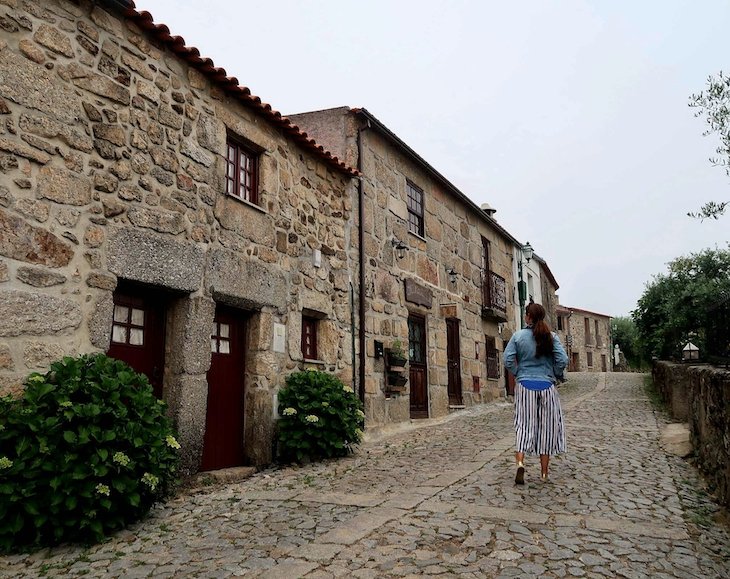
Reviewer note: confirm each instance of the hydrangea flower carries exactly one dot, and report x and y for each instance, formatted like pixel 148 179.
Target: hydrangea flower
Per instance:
pixel 102 489
pixel 121 458
pixel 65 404
pixel 289 411
pixel 150 480
pixel 360 414
pixel 171 442
pixel 5 462
pixel 349 389
pixel 312 418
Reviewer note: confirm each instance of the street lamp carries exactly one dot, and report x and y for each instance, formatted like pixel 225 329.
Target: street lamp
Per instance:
pixel 526 252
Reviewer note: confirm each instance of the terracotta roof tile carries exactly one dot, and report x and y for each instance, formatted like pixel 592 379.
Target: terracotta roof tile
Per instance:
pixel 231 85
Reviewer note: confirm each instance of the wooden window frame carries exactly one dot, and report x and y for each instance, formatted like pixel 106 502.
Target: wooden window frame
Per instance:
pixel 415 202
pixel 560 323
pixel 127 325
pixel 309 330
pixel 236 151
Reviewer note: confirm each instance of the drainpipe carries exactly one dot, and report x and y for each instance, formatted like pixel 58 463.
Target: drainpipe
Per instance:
pixel 361 241
pixel 352 330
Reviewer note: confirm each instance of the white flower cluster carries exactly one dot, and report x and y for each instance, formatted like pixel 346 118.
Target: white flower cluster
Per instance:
pixel 289 411
pixel 311 418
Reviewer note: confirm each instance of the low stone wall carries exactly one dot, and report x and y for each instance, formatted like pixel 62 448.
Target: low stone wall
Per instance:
pixel 706 392
pixel 672 381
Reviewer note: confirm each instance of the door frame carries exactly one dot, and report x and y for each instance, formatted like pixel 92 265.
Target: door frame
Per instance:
pixel 453 341
pixel 414 367
pixel 238 321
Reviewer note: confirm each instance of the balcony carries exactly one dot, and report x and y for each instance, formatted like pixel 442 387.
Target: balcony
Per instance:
pixel 494 297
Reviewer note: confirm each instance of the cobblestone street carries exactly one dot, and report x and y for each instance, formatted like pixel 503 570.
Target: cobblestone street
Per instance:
pixel 440 500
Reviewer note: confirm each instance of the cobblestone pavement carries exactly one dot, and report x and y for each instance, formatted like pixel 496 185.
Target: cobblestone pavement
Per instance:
pixel 440 500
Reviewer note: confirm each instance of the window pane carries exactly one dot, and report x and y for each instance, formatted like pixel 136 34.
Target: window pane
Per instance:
pixel 137 317
pixel 121 314
pixel 136 337
pixel 119 334
pixel 224 329
pixel 213 345
pixel 224 347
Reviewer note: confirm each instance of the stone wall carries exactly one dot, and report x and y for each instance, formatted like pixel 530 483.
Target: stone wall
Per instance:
pixel 707 391
pixel 112 164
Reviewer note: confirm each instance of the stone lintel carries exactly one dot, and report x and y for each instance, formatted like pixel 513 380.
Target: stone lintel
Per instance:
pixel 155 259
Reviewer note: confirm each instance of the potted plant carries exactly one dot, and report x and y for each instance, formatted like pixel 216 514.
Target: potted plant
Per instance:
pixel 396 356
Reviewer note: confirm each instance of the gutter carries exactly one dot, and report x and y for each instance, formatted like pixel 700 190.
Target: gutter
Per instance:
pixel 361 257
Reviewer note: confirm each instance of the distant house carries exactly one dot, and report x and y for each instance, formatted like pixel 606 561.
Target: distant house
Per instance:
pixel 586 336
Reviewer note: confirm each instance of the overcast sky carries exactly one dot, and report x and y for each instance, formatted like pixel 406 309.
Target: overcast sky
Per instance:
pixel 569 117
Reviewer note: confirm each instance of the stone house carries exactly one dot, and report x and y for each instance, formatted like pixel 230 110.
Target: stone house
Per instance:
pixel 436 273
pixel 152 208
pixel 587 339
pixel 548 292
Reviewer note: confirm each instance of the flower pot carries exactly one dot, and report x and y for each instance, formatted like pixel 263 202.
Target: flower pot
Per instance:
pixel 396 379
pixel 396 360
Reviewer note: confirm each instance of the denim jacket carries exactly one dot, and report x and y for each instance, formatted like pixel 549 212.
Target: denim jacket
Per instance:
pixel 520 359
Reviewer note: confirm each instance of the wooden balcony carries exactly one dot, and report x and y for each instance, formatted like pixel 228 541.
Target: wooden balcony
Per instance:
pixel 494 297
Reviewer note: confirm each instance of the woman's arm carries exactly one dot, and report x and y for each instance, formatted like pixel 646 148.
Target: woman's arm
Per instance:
pixel 510 356
pixel 560 358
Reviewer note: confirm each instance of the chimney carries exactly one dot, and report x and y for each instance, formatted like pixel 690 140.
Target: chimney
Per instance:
pixel 488 209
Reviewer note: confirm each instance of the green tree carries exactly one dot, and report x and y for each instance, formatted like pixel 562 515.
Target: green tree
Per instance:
pixel 714 104
pixel 690 302
pixel 626 335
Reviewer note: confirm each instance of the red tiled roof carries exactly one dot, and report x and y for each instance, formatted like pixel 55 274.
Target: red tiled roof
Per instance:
pixel 230 85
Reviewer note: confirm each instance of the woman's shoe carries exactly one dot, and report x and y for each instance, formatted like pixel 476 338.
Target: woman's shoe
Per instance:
pixel 544 477
pixel 520 476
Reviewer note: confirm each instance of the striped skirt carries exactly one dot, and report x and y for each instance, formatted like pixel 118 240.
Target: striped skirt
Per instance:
pixel 539 427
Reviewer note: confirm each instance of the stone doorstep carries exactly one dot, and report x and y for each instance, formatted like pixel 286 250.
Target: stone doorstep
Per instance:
pixel 205 479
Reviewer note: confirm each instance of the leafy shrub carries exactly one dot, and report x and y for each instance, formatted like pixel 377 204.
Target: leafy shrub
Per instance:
pixel 86 450
pixel 320 417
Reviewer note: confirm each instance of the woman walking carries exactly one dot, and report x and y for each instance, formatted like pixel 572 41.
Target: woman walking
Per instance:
pixel 535 355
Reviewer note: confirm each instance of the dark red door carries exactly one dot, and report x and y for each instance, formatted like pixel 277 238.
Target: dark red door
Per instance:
pixel 417 375
pixel 223 446
pixel 453 361
pixel 138 332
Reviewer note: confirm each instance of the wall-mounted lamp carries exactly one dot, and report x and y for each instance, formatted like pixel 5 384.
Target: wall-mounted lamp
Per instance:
pixel 451 272
pixel 400 247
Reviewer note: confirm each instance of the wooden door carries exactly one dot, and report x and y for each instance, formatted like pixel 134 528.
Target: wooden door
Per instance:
pixel 138 331
pixel 575 362
pixel 223 445
pixel 453 361
pixel 417 374
pixel 603 363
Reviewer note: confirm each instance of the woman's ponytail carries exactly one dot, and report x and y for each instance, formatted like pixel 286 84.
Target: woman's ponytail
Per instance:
pixel 540 330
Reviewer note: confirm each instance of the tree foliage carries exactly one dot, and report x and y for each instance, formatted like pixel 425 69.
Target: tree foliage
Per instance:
pixel 714 104
pixel 689 303
pixel 626 335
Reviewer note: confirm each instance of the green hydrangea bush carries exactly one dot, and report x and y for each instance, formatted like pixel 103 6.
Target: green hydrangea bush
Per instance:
pixel 87 450
pixel 320 417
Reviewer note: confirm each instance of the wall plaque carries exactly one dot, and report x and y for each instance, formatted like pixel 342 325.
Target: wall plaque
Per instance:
pixel 418 294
